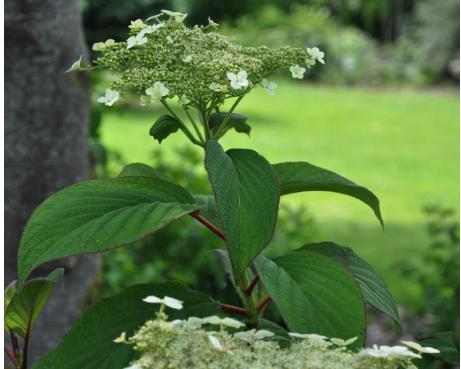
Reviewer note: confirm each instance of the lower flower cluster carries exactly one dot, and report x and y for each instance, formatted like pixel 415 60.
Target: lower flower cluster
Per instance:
pixel 189 343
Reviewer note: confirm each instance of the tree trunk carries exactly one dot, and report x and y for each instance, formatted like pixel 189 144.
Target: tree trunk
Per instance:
pixel 46 132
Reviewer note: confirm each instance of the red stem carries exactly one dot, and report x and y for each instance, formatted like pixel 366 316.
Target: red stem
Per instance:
pixel 207 224
pixel 11 357
pixel 252 285
pixel 263 302
pixel 235 309
pixel 16 346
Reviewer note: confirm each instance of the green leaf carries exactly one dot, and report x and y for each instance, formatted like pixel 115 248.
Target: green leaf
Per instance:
pixel 444 343
pixel 246 191
pixel 280 334
pixel 373 287
pixel 163 127
pixel 98 215
pixel 224 258
pixel 141 170
pixel 314 295
pixel 26 304
pixel 208 208
pixel 10 291
pixel 235 121
pixel 89 343
pixel 302 176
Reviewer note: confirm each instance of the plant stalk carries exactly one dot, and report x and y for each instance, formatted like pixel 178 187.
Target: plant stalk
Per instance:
pixel 11 357
pixel 208 224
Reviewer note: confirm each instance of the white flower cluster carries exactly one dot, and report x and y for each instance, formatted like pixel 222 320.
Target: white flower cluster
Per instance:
pixel 164 59
pixel 184 343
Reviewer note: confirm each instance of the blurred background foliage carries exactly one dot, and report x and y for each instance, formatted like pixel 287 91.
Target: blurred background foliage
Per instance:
pixel 382 111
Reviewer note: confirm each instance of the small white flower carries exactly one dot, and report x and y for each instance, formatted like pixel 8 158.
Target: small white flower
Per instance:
pixel 109 98
pixel 195 321
pixel 388 351
pixel 135 41
pixel 187 59
pixel 316 54
pixel 341 342
pixel 416 346
pixel 137 24
pixel 315 338
pixel 158 91
pixel 215 342
pixel 183 100
pixel 150 29
pixel 76 65
pixel 177 322
pixel 214 86
pixel 297 71
pixel 134 366
pixel 169 40
pixel 269 86
pixel 167 301
pixel 228 322
pixel 178 17
pixel 238 80
pixel 212 23
pixel 253 335
pixel 98 46
pixel 121 338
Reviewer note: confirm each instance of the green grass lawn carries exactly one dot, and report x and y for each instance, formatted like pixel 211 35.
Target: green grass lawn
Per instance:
pixel 403 145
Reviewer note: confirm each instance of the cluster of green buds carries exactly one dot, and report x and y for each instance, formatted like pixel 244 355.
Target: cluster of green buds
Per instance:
pixel 163 59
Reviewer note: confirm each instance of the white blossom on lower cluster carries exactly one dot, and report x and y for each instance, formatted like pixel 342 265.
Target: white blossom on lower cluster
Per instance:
pixel 239 80
pixel 297 71
pixel 109 98
pixel 158 91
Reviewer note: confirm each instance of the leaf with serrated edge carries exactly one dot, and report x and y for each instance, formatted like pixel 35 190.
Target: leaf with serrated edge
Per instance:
pixel 374 288
pixel 246 191
pixel 302 176
pixel 314 295
pixel 98 215
pixel 89 343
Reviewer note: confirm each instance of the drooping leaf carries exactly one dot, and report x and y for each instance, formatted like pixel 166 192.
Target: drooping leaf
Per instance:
pixel 224 258
pixel 163 127
pixel 25 305
pixel 235 121
pixel 302 176
pixel 10 291
pixel 89 343
pixel 314 295
pixel 373 287
pixel 98 215
pixel 141 170
pixel 246 191
pixel 208 208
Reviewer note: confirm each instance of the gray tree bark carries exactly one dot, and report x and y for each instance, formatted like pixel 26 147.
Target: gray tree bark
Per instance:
pixel 46 131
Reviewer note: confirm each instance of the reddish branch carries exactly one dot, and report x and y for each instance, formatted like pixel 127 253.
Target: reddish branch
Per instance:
pixel 252 285
pixel 11 357
pixel 263 302
pixel 235 309
pixel 16 346
pixel 207 224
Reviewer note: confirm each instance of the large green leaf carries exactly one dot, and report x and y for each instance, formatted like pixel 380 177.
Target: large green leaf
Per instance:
pixel 373 287
pixel 246 190
pixel 314 294
pixel 302 176
pixel 99 215
pixel 89 344
pixel 25 305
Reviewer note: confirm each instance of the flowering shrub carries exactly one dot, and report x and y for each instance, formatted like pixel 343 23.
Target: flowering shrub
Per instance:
pixel 319 289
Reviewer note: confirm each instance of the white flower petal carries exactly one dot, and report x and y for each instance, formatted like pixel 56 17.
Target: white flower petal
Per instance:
pixel 121 338
pixel 416 346
pixel 153 300
pixel 233 323
pixel 215 342
pixel 261 334
pixel 172 303
pixel 212 320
